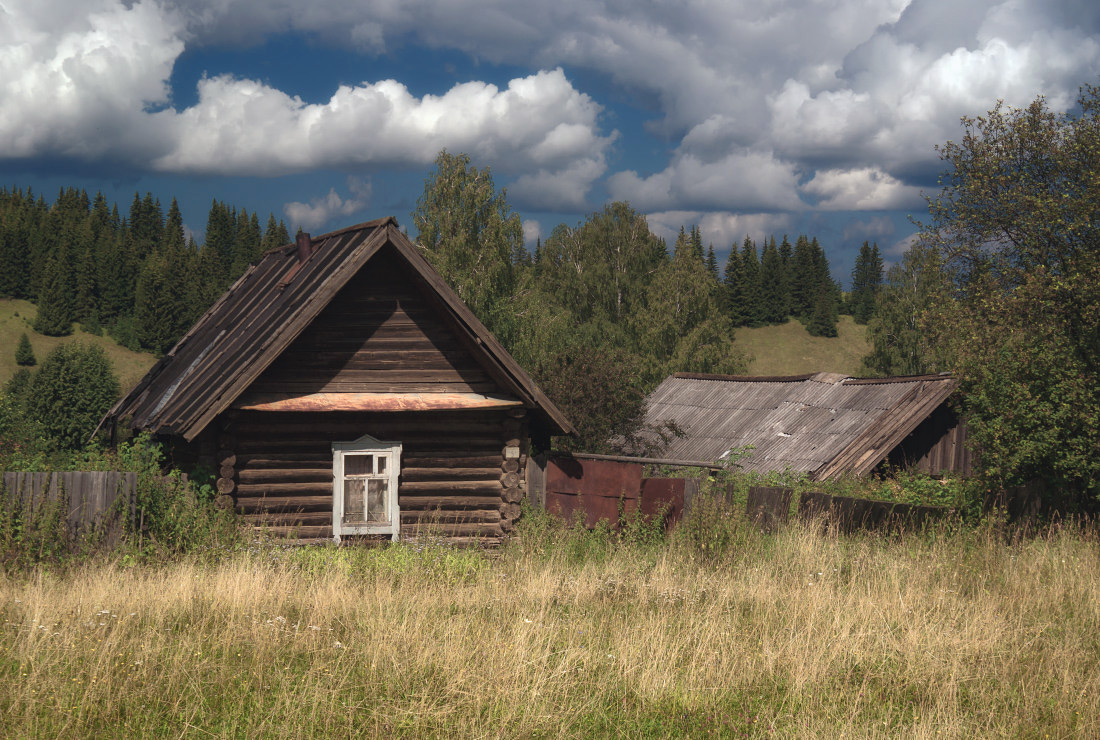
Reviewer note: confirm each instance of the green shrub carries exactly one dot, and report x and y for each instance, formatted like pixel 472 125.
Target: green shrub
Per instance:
pixel 72 390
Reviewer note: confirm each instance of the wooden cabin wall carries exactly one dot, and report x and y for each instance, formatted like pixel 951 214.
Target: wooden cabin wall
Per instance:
pixel 462 472
pixel 938 445
pixel 379 334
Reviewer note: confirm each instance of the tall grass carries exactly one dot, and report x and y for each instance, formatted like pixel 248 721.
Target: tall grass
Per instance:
pixel 565 633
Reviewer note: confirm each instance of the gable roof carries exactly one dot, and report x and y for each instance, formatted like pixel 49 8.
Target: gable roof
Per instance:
pixel 270 305
pixel 823 424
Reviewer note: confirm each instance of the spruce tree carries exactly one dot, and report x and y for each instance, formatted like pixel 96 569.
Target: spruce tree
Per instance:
pixel 55 302
pixel 712 262
pixel 802 278
pixel 750 276
pixel 866 282
pixel 156 304
pixel 24 353
pixel 823 318
pixel 772 299
pixel 733 289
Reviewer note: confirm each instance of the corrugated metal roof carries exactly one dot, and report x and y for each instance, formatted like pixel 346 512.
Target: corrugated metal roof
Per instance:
pixel 824 424
pixel 269 306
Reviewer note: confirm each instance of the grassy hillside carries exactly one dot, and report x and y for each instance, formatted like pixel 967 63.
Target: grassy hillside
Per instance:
pixel 787 349
pixel 17 317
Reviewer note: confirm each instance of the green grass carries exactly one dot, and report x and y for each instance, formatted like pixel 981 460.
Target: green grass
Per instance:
pixel 787 349
pixel 17 316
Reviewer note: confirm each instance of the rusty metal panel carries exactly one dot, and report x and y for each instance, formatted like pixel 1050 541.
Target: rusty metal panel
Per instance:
pixel 598 489
pixel 663 496
pixel 375 402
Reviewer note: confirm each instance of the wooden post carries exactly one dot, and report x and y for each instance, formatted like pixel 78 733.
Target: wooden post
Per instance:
pixel 513 457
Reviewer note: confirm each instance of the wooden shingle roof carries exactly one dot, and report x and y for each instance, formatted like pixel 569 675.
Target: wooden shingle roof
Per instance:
pixel 824 424
pixel 270 305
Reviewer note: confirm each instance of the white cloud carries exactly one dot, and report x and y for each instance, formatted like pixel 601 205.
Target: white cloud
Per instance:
pixel 539 123
pixel 749 97
pixel 78 82
pixel 321 211
pixel 864 189
pixel 741 180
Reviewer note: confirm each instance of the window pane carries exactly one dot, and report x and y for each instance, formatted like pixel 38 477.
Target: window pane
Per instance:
pixel 376 500
pixel 353 500
pixel 381 465
pixel 358 464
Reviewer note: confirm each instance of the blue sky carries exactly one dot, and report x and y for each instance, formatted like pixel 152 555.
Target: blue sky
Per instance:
pixel 742 116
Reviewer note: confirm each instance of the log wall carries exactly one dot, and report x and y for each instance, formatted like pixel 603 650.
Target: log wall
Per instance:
pixel 462 472
pixel 379 334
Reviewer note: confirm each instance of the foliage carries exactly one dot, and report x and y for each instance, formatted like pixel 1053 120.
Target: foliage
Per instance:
pixel 600 391
pixel 469 232
pixel 1017 225
pixel 69 394
pixel 24 353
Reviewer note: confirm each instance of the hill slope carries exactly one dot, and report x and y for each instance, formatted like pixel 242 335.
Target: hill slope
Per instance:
pixel 17 317
pixel 787 349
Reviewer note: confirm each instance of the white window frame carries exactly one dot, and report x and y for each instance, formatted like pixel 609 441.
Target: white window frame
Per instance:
pixel 366 445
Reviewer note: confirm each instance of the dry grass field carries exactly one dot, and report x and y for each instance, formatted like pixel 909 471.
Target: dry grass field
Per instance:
pixel 788 349
pixel 16 317
pixel 567 634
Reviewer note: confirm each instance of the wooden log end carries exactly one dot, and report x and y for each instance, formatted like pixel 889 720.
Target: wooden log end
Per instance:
pixel 226 485
pixel 510 466
pixel 223 501
pixel 510 480
pixel 512 495
pixel 509 512
pixel 227 471
pixel 227 457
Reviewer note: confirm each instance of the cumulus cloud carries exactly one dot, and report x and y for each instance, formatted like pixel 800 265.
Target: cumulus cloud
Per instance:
pixel 92 86
pixel 539 122
pixel 864 189
pixel 846 96
pixel 81 83
pixel 321 211
pixel 743 180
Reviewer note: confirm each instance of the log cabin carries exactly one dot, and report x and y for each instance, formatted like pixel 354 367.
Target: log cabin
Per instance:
pixel 341 389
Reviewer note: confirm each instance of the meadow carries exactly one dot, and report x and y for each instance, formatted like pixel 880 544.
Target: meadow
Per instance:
pixel 17 317
pixel 788 349
pixel 715 631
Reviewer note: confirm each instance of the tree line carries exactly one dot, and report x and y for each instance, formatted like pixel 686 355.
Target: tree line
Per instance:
pixel 136 276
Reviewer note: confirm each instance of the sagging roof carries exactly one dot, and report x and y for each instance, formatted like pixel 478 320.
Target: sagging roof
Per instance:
pixel 823 424
pixel 271 304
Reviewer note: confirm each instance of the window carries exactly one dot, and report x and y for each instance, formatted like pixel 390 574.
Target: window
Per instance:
pixel 364 488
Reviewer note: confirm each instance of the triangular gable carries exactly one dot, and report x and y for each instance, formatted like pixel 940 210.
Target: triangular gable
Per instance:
pixel 268 308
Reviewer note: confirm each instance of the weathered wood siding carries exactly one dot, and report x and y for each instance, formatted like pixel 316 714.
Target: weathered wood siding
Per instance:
pixel 457 478
pixel 938 445
pixel 379 334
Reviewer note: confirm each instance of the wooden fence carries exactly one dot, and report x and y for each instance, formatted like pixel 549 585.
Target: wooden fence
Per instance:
pixel 91 499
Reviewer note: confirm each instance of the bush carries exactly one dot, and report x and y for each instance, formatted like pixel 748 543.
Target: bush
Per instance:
pixel 71 392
